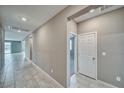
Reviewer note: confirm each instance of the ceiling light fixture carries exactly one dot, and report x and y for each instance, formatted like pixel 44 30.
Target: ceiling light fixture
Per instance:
pixel 92 10
pixel 24 19
pixel 19 30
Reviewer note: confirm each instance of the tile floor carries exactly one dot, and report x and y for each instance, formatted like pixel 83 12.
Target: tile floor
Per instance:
pixel 82 81
pixel 18 73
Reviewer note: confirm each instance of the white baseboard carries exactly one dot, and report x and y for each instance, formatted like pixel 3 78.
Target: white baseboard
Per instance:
pixel 58 82
pixel 28 59
pixel 107 84
pixel 43 71
pixel 110 85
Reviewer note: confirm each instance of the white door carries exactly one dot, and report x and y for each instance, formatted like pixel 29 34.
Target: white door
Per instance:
pixel 87 54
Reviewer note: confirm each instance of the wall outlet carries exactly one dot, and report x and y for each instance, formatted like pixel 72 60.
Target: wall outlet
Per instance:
pixel 118 78
pixel 51 70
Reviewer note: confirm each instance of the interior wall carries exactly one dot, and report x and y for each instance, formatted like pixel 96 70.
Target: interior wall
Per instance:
pixel 50 45
pixel 1 47
pixel 110 28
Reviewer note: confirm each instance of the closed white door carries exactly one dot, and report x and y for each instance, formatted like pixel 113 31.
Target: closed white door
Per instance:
pixel 87 54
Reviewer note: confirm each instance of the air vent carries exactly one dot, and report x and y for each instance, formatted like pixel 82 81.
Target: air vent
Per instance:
pixel 17 28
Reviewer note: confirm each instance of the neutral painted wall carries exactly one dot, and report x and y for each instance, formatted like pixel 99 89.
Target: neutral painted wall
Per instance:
pixel 110 28
pixel 50 45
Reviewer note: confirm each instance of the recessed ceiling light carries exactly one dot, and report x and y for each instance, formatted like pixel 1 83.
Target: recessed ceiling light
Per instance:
pixel 24 19
pixel 92 10
pixel 19 30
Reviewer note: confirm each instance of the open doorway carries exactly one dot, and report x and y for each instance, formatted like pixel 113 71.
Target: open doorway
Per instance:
pixel 82 57
pixel 30 46
pixel 72 56
pixel 7 47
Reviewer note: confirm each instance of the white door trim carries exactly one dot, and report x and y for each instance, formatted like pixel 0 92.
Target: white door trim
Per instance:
pixel 96 48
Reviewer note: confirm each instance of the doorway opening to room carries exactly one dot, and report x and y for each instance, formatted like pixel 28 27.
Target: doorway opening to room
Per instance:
pixel 72 56
pixel 7 47
pixel 73 62
pixel 82 57
pixel 29 48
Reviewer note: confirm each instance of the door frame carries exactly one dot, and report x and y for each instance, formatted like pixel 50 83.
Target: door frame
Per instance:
pixel 68 56
pixel 31 47
pixel 96 49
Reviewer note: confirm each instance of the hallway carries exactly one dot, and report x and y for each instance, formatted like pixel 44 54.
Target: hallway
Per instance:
pixel 18 73
pixel 62 41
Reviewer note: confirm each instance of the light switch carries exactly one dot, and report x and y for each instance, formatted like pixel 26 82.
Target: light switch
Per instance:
pixel 104 53
pixel 51 70
pixel 118 78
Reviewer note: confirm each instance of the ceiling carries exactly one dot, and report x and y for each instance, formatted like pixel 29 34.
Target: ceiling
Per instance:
pixel 94 12
pixel 36 15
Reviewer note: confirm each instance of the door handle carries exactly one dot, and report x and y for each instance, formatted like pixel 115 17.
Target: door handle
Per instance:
pixel 93 58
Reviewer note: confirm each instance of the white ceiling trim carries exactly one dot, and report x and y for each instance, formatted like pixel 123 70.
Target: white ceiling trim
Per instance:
pixel 97 12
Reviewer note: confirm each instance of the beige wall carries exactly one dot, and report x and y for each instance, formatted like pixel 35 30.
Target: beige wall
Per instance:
pixel 110 28
pixel 50 45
